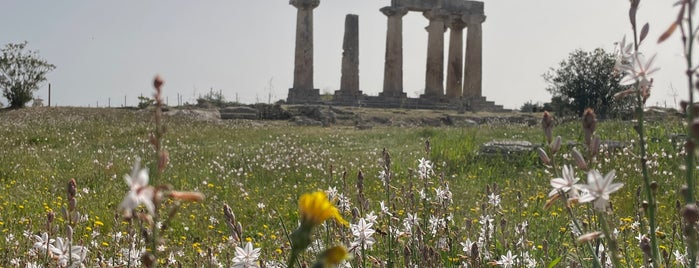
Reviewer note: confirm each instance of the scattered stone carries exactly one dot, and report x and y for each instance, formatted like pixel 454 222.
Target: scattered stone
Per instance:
pixel 459 121
pixel 301 120
pixel 506 148
pixel 239 112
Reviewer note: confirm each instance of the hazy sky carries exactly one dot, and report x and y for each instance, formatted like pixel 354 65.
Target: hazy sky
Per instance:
pixel 110 49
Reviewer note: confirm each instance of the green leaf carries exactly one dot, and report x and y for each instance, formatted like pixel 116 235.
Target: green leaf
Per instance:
pixel 554 262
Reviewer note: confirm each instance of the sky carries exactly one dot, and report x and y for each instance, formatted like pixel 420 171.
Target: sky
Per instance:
pixel 107 52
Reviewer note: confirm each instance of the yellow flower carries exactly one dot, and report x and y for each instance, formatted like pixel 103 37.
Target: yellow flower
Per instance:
pixel 316 208
pixel 333 256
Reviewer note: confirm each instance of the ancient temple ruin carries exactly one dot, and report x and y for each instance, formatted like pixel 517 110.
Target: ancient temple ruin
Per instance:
pixel 463 85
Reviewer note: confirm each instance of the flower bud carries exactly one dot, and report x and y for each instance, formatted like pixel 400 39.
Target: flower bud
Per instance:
pixel 158 82
pixel 543 156
pixel 589 124
pixel 556 145
pixel 579 159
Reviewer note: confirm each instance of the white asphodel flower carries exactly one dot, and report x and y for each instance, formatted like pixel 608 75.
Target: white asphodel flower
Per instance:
pixel 565 183
pixel 598 189
pixel 140 192
pixel 362 232
pixel 507 260
pixel 246 257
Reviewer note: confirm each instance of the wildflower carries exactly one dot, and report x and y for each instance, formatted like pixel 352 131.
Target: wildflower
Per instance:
pixel 424 168
pixel 332 257
pixel 443 195
pixel 494 199
pixel 507 260
pixel 246 257
pixel 66 253
pixel 316 208
pixel 140 192
pixel 362 232
pixel 529 262
pixel 384 209
pixel 680 258
pixel 599 187
pixel 43 244
pixel 566 183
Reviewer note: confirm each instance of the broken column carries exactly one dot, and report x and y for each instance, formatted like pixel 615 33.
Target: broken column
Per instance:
pixel 349 81
pixel 473 70
pixel 393 65
pixel 303 91
pixel 434 74
pixel 456 60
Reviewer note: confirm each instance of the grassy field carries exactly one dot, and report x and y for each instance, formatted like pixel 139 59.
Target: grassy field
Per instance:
pixel 260 170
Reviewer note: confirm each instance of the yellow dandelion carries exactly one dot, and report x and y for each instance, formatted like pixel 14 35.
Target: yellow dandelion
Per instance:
pixel 334 255
pixel 315 208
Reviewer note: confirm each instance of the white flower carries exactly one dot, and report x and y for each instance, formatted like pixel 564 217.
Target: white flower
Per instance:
pixel 443 195
pixel 599 187
pixel 43 243
pixel 529 262
pixel 566 183
pixel 424 168
pixel 362 232
pixel 140 192
pixel 680 258
pixel 65 253
pixel 494 199
pixel 507 260
pixel 638 70
pixel 385 209
pixel 246 257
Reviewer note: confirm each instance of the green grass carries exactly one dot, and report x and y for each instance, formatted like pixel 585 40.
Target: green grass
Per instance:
pixel 246 165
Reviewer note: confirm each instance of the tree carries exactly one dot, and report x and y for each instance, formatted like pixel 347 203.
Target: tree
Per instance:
pixel 21 73
pixel 587 80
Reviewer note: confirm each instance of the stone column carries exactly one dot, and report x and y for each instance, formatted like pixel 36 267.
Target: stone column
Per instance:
pixel 473 71
pixel 303 91
pixel 349 81
pixel 393 65
pixel 456 57
pixel 434 74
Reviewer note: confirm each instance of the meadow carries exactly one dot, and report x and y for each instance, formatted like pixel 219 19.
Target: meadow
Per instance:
pixel 430 201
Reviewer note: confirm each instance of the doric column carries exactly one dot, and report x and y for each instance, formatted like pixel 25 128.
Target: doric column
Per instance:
pixel 434 74
pixel 473 71
pixel 349 81
pixel 393 65
pixel 456 59
pixel 303 90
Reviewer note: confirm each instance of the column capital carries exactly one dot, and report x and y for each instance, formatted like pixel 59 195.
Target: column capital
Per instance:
pixel 436 14
pixel 471 19
pixel 394 11
pixel 456 22
pixel 307 4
